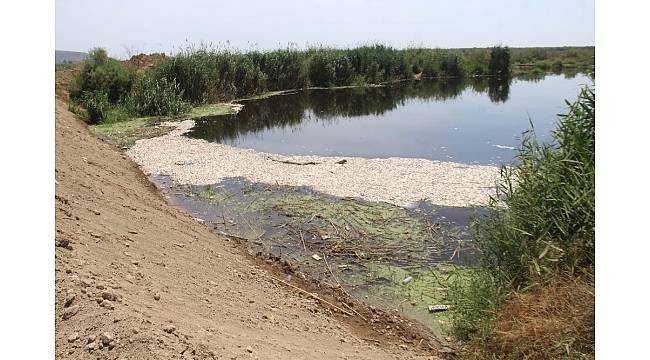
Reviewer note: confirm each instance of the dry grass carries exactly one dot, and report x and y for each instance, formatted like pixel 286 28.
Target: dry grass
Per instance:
pixel 553 321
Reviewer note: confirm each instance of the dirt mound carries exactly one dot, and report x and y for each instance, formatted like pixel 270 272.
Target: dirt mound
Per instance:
pixel 138 279
pixel 63 78
pixel 145 61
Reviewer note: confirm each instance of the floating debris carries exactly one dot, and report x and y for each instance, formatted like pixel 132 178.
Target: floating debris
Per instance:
pixel 386 254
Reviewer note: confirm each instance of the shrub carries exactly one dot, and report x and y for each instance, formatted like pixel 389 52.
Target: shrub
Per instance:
pixel 321 69
pixel 99 56
pixel 543 65
pixel 499 61
pixel 543 221
pixel 157 97
pixel 101 74
pixel 557 65
pixel 477 296
pixel 97 106
pixel 450 65
pixel 477 62
pixel 429 66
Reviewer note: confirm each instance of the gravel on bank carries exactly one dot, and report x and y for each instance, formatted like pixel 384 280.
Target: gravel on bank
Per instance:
pixel 400 181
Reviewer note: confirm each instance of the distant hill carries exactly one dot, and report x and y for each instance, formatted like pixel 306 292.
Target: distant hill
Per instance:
pixel 62 56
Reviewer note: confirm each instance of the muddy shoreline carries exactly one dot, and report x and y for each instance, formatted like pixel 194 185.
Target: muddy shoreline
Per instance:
pixel 358 250
pixel 116 233
pixel 377 234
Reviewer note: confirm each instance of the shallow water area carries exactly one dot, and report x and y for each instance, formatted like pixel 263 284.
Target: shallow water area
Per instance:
pixel 475 121
pixel 370 248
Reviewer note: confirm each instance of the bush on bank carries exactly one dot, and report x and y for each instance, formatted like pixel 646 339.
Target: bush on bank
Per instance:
pixel 101 74
pixel 540 228
pixel 153 96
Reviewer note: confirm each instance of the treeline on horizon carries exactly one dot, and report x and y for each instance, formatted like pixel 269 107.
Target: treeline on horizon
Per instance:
pixel 195 76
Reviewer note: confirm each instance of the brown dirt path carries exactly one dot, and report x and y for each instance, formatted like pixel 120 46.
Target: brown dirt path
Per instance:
pixel 173 288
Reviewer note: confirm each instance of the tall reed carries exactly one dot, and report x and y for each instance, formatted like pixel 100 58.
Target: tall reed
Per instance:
pixel 539 226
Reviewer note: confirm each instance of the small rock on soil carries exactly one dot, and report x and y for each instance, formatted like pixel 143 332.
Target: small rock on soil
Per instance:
pixel 70 312
pixel 107 304
pixel 106 338
pixel 73 337
pixel 169 328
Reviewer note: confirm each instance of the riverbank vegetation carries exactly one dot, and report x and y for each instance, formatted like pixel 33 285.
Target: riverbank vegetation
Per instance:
pixel 560 59
pixel 113 91
pixel 533 295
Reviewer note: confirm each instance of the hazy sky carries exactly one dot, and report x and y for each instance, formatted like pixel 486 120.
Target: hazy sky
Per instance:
pixel 124 27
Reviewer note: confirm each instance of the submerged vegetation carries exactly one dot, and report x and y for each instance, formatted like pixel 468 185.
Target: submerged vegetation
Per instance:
pixel 368 248
pixel 193 77
pixel 539 234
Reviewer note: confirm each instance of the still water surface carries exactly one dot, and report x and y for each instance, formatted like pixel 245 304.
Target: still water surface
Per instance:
pixel 476 121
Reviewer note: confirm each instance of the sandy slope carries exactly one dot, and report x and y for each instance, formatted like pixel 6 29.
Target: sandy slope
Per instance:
pixel 128 245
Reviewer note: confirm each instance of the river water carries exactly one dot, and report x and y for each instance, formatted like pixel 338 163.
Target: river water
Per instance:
pixel 475 121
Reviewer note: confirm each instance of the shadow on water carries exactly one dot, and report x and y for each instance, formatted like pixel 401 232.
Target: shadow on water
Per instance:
pixel 475 120
pixel 371 249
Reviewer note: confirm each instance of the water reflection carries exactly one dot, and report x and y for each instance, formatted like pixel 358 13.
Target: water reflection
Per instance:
pixel 325 105
pixel 433 119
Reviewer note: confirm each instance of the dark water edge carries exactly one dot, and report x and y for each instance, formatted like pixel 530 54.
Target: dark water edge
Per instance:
pixel 475 120
pixel 370 248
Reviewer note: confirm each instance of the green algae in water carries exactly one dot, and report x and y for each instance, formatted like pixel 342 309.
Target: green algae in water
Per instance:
pixel 351 225
pixel 346 219
pixel 384 285
pixel 369 247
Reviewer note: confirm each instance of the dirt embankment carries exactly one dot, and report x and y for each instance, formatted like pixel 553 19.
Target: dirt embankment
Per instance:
pixel 137 279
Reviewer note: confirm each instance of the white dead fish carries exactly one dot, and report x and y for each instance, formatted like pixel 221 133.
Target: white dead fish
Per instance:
pixel 438 308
